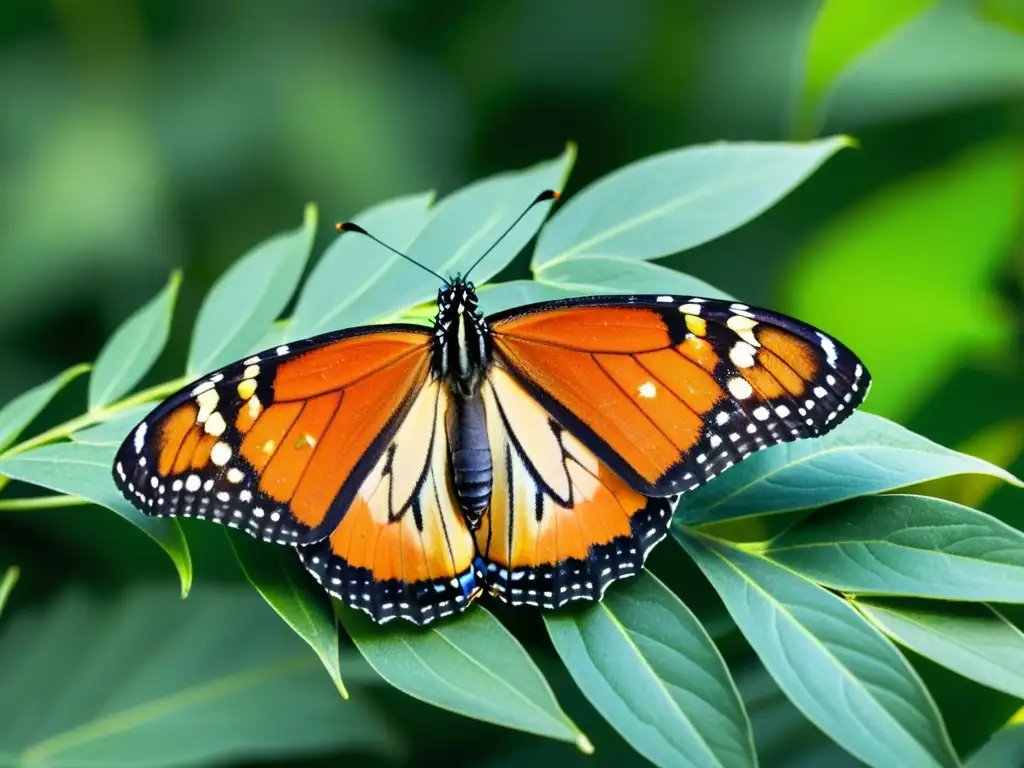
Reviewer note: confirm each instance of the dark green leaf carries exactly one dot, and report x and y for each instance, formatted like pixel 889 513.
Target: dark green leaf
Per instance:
pixel 834 665
pixel 907 545
pixel 975 641
pixel 147 679
pixel 677 200
pixel 864 455
pixel 612 274
pixel 288 589
pixel 471 665
pixel 470 220
pixel 85 470
pixel 646 663
pixel 18 413
pixel 356 281
pixel 134 347
pixel 247 299
pixel 7 585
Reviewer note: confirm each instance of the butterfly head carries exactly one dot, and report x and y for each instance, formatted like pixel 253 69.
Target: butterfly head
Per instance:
pixel 462 341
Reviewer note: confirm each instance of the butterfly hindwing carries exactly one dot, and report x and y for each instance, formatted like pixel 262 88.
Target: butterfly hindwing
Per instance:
pixel 561 524
pixel 670 391
pixel 277 444
pixel 403 548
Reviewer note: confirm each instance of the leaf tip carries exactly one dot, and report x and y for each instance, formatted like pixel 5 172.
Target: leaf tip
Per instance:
pixel 584 745
pixel 310 216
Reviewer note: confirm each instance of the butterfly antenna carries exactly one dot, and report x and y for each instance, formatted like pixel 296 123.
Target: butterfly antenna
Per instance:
pixel 547 194
pixel 348 226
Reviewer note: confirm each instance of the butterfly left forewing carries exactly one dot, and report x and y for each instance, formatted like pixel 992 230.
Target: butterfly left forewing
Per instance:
pixel 561 525
pixel 402 548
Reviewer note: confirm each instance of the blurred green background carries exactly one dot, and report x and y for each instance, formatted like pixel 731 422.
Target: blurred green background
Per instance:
pixel 136 137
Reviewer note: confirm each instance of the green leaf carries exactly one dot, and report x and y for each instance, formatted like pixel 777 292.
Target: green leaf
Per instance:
pixel 156 681
pixel 907 545
pixel 84 470
pixel 288 589
pixel 472 666
pixel 886 247
pixel 1004 750
pixel 864 455
pixel 134 347
pixel 677 200
pixel 1007 13
pixel 648 666
pixel 613 274
pixel 975 641
pixel 20 411
pixel 247 299
pixel 356 281
pixel 498 297
pixel 7 585
pixel 469 221
pixel 835 666
pixel 114 432
pixel 843 31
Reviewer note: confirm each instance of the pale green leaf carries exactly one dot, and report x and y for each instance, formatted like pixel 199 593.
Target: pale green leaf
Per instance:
pixel 677 200
pixel 975 641
pixel 247 299
pixel 842 32
pixel 644 661
pixel 152 681
pixel 114 431
pixel 907 545
pixel 1004 750
pixel 131 351
pixel 866 454
pixel 275 573
pixel 20 411
pixel 497 297
pixel 613 274
pixel 83 470
pixel 472 666
pixel 838 669
pixel 356 281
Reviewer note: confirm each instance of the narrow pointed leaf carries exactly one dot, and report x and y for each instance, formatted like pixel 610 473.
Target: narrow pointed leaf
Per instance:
pixel 469 221
pixel 648 666
pixel 472 666
pixel 357 281
pixel 287 588
pixel 677 200
pixel 84 470
pixel 134 347
pixel 864 455
pixel 613 274
pixel 247 299
pixel 20 411
pixel 837 668
pixel 154 682
pixel 7 585
pixel 907 545
pixel 975 641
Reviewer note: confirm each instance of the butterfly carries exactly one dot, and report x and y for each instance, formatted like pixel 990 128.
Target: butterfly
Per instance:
pixel 535 454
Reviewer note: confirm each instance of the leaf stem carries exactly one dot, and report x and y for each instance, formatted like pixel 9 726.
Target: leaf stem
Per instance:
pixel 42 502
pixel 94 417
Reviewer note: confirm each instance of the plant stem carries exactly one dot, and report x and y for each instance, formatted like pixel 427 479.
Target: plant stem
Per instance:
pixel 94 417
pixel 41 502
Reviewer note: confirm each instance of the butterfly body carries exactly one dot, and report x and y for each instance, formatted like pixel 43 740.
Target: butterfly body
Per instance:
pixel 535 454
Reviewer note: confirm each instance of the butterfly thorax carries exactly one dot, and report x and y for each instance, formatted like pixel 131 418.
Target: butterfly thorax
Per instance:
pixel 462 341
pixel 461 354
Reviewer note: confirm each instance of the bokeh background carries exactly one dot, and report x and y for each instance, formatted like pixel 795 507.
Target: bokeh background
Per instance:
pixel 141 135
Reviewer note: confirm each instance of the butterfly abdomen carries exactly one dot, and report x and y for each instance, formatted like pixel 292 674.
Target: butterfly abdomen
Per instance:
pixel 472 469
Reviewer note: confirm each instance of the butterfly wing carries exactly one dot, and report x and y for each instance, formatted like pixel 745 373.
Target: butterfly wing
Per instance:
pixel 561 525
pixel 403 548
pixel 670 391
pixel 278 444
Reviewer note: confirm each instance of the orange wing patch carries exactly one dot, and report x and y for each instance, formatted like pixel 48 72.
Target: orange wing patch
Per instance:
pixel 544 547
pixel 403 548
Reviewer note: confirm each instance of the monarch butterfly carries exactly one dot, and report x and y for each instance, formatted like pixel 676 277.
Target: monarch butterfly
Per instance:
pixel 536 453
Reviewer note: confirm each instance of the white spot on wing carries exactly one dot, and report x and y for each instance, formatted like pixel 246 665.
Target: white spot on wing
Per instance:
pixel 739 388
pixel 648 390
pixel 140 437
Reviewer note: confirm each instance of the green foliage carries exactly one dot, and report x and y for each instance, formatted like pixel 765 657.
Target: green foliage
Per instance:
pixel 642 657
